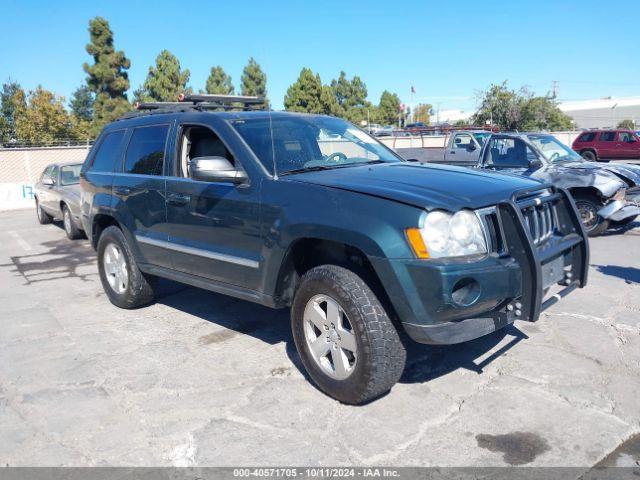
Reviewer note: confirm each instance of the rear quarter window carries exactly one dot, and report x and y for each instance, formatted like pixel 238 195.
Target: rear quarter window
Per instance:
pixel 109 152
pixel 587 137
pixel 145 153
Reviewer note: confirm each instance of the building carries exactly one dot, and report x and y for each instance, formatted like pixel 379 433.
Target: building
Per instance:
pixel 605 112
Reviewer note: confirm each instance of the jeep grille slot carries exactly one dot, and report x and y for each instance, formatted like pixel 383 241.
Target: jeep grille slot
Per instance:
pixel 540 219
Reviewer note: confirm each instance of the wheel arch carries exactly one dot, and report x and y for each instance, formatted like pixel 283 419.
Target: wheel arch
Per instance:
pixel 100 222
pixel 306 253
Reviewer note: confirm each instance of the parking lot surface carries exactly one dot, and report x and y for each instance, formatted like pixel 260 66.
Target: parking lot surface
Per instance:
pixel 203 379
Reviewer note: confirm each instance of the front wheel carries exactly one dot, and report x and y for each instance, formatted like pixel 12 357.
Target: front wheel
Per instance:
pixel 588 207
pixel 123 282
pixel 343 335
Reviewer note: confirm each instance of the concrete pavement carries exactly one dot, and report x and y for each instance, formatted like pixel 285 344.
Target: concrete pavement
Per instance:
pixel 202 379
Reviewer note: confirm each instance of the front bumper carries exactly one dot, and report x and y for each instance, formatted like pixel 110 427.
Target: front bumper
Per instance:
pixel 619 210
pixel 508 286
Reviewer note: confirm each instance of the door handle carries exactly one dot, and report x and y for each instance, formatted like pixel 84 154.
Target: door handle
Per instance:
pixel 122 190
pixel 452 151
pixel 178 199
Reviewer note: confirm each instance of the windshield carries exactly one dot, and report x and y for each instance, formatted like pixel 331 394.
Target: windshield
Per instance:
pixel 553 149
pixel 308 142
pixel 482 137
pixel 70 174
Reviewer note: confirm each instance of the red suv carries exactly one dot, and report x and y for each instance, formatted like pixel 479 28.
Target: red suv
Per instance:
pixel 595 145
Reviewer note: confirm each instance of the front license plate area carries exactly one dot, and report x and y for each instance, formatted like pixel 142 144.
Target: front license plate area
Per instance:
pixel 553 272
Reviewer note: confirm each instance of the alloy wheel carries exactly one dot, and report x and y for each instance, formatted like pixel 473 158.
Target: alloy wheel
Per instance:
pixel 588 214
pixel 330 337
pixel 115 268
pixel 67 221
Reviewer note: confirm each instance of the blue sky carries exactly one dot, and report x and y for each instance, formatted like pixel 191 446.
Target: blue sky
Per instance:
pixel 447 52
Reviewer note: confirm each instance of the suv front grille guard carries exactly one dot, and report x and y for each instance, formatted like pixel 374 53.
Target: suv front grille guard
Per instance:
pixel 551 215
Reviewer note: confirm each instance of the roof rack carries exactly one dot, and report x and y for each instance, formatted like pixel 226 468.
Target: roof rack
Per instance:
pixel 199 102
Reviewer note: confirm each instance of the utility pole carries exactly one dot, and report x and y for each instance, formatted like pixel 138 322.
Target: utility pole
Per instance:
pixel 554 89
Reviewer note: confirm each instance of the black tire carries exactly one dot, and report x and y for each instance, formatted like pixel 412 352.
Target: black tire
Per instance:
pixel 139 290
pixel 380 354
pixel 587 207
pixel 589 155
pixel 70 228
pixel 43 217
pixel 624 222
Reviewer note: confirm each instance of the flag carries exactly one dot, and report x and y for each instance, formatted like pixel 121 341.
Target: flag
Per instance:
pixel 413 90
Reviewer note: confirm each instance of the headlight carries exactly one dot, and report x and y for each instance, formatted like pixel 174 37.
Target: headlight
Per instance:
pixel 446 235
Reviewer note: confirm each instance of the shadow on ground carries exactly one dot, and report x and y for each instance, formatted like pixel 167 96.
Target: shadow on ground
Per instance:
pixel 630 275
pixel 61 259
pixel 424 362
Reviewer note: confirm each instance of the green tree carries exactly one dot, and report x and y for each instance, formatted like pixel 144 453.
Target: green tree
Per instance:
pixel 12 100
pixel 627 124
pixel 44 119
pixel 422 113
pixel 388 108
pixel 499 106
pixel 542 113
pixel 309 95
pixel 81 103
pixel 351 96
pixel 107 77
pixel 219 82
pixel 253 80
pixel 165 81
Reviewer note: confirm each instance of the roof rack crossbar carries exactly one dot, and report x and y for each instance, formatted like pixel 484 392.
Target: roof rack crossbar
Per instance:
pixel 222 99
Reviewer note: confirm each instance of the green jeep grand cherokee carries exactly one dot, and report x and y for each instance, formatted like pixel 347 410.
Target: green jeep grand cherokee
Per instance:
pixel 309 212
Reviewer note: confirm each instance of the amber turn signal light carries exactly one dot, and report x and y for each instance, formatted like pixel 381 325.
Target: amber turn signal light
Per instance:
pixel 417 243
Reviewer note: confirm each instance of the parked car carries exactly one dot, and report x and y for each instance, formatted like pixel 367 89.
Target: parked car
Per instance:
pixel 374 128
pixel 57 195
pixel 417 128
pixel 597 145
pixel 605 194
pixel 359 243
pixel 386 131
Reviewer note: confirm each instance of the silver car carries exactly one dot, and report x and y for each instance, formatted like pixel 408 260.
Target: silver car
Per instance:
pixel 57 195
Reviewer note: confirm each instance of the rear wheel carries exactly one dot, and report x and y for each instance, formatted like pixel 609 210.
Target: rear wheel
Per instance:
pixel 70 228
pixel 123 282
pixel 43 217
pixel 589 155
pixel 588 207
pixel 345 339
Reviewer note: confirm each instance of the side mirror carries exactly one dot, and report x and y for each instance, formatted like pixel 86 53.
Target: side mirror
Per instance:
pixel 48 181
pixel 472 147
pixel 535 164
pixel 215 169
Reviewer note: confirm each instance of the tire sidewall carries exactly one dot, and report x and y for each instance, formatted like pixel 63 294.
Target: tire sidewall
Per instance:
pixel 355 384
pixel 602 224
pixel 589 156
pixel 114 235
pixel 71 233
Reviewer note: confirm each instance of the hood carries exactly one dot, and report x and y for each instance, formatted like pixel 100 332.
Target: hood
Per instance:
pixel 608 178
pixel 420 185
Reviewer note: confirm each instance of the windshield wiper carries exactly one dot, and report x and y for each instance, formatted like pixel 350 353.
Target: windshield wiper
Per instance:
pixel 319 168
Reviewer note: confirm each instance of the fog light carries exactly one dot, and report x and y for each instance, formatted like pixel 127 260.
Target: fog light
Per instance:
pixel 465 292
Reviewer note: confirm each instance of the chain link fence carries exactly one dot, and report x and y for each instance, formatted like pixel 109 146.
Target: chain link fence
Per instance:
pixel 21 167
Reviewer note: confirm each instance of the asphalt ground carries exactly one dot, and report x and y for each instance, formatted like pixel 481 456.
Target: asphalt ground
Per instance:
pixel 201 379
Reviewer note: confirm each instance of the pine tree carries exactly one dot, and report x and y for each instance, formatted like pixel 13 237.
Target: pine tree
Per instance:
pixel 165 81
pixel 388 108
pixel 12 100
pixel 81 103
pixel 253 80
pixel 107 77
pixel 308 95
pixel 219 82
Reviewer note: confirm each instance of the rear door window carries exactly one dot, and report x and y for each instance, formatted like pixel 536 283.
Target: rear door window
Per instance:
pixel 146 150
pixel 109 152
pixel 607 136
pixel 625 137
